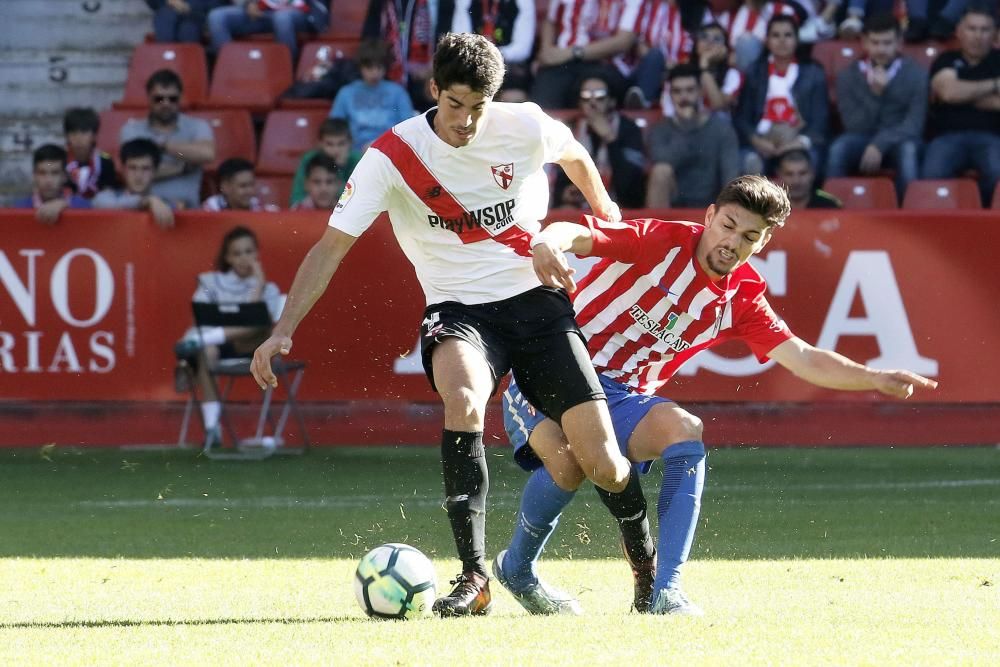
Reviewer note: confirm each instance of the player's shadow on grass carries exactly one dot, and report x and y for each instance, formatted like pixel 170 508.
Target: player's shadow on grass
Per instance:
pixel 119 623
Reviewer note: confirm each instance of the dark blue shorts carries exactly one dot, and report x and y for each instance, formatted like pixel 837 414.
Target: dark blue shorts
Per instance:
pixel 627 410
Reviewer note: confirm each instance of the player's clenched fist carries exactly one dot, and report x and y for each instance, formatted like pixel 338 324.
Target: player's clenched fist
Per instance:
pixel 261 365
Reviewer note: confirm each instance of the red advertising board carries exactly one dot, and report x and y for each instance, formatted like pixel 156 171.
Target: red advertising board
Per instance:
pixel 90 308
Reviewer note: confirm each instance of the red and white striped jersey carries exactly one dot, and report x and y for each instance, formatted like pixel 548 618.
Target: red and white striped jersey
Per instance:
pixel 579 22
pixel 464 216
pixel 746 20
pixel 648 306
pixel 660 27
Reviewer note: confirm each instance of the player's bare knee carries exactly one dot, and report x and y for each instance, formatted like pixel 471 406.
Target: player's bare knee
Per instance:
pixel 463 405
pixel 690 427
pixel 611 475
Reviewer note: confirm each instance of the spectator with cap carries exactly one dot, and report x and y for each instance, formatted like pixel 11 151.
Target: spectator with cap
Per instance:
pixel 50 193
pixel 186 143
pixel 90 170
pixel 139 158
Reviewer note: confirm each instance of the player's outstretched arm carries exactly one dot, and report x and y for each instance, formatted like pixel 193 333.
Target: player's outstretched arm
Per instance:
pixel 829 369
pixel 548 248
pixel 310 282
pixel 582 172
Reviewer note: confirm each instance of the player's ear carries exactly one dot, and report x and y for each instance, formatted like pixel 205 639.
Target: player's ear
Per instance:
pixel 709 214
pixel 433 87
pixel 765 239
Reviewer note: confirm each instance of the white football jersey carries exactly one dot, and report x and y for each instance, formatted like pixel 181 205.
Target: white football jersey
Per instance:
pixel 465 216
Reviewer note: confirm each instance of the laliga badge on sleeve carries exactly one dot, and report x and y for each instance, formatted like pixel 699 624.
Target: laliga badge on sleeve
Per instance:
pixel 345 196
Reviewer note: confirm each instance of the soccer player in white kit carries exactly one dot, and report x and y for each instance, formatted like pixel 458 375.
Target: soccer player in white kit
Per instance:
pixel 465 189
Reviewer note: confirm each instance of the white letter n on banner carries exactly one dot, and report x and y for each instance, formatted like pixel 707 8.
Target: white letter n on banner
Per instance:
pixel 870 273
pixel 22 294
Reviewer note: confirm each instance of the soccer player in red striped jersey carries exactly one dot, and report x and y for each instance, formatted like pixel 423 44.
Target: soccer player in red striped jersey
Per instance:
pixel 465 188
pixel 662 292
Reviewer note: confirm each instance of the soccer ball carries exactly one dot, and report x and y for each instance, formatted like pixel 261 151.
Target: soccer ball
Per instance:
pixel 395 581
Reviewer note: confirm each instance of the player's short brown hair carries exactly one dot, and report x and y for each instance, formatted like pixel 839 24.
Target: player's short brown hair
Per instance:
pixel 468 59
pixel 759 196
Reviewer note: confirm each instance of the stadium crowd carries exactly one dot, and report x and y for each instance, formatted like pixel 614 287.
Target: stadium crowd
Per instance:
pixel 673 98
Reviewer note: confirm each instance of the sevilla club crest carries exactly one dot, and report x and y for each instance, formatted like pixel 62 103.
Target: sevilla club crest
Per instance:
pixel 503 174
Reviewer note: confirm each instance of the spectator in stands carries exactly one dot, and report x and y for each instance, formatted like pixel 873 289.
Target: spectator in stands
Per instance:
pixel 796 173
pixel 139 158
pixel 323 184
pixel 238 278
pixel 747 27
pixel 237 188
pixel 186 143
pixel 371 105
pixel 925 22
pixel 883 103
pixel 783 104
pixel 410 29
pixel 578 39
pixel 665 29
pixel 334 142
pixel 965 109
pixel 854 21
pixel 694 152
pixel 181 20
pixel 284 18
pixel 510 24
pixel 50 193
pixel 720 82
pixel 90 170
pixel 613 140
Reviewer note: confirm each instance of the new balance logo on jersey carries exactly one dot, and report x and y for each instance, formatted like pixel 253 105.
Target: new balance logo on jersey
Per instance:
pixel 653 327
pixel 495 217
pixel 503 174
pixel 433 193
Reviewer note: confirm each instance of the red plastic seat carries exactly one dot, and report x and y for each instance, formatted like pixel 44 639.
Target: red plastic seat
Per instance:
pixel 346 21
pixel 309 59
pixel 233 131
pixel 877 192
pixel 960 193
pixel 112 121
pixel 274 190
pixel 924 54
pixel 250 75
pixel 188 60
pixel 645 119
pixel 287 135
pixel 835 55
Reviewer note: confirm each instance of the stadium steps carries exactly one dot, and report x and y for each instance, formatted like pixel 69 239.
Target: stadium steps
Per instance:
pixel 57 54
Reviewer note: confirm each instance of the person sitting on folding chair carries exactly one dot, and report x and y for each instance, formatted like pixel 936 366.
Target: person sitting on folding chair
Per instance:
pixel 238 278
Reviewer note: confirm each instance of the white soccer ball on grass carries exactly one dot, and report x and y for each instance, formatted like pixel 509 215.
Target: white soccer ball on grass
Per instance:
pixel 395 581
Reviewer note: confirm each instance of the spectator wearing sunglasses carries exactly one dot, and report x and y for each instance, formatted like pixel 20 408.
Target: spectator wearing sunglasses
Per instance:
pixel 186 143
pixel 613 141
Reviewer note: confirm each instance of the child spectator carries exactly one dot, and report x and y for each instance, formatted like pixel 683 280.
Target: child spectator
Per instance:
pixel 323 184
pixel 139 158
pixel 795 171
pixel 335 143
pixel 695 153
pixel 89 169
pixel 284 18
pixel 51 194
pixel 372 104
pixel 186 143
pixel 238 278
pixel 181 20
pixel 237 188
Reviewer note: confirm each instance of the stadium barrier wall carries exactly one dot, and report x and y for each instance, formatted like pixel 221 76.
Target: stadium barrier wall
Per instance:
pixel 90 309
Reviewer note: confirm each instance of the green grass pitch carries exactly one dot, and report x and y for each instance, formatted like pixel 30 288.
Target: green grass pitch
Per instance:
pixel 805 556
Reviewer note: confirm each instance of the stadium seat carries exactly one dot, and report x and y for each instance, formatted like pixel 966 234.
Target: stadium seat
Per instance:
pixel 996 197
pixel 188 60
pixel 250 75
pixel 233 131
pixel 310 57
pixel 287 135
pixel 112 121
pixel 835 55
pixel 645 119
pixel 958 193
pixel 274 190
pixel 346 22
pixel 878 192
pixel 924 54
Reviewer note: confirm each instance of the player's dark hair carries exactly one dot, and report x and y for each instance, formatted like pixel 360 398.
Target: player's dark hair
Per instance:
pixel 141 147
pixel 321 161
pixel 233 234
pixel 373 53
pixel 758 195
pixel 983 8
pixel 683 71
pixel 882 22
pixel 233 166
pixel 334 127
pixel 470 60
pixel 165 78
pixel 81 119
pixel 49 153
